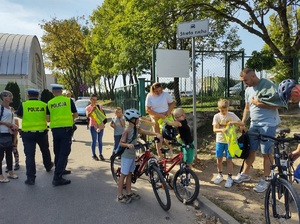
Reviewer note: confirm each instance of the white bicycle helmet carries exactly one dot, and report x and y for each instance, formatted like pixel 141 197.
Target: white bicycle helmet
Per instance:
pixel 131 113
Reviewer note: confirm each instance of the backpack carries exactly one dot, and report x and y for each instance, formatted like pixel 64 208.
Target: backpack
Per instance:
pixel 244 145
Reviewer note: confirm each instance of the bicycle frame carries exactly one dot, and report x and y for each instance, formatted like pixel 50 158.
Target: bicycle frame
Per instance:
pixel 174 161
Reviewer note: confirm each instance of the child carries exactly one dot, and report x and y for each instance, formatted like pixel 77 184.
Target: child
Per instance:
pixel 128 140
pixel 118 124
pixel 185 134
pixel 220 121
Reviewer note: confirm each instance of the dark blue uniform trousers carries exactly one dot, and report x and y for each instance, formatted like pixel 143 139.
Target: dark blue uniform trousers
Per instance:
pixel 30 139
pixel 62 140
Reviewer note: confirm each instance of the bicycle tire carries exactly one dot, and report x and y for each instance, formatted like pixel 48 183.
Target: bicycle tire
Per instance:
pixel 115 167
pixel 286 205
pixel 160 188
pixel 186 185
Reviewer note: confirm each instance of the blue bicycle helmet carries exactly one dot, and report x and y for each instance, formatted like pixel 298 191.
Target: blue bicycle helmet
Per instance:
pixel 285 88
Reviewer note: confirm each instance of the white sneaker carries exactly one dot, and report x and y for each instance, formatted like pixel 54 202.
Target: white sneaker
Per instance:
pixel 229 182
pixel 219 179
pixel 262 186
pixel 241 177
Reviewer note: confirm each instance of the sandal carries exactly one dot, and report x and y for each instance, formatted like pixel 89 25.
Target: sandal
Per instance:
pixel 4 180
pixel 14 176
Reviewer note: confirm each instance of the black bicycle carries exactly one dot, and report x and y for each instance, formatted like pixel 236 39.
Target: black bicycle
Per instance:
pixel 282 202
pixel 145 164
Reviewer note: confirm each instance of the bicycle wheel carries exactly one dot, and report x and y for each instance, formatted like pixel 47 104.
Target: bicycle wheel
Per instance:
pixel 282 203
pixel 186 185
pixel 160 188
pixel 115 167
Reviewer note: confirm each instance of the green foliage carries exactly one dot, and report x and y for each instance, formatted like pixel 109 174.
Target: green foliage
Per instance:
pixel 14 88
pixel 66 55
pixel 46 95
pixel 260 61
pixel 281 35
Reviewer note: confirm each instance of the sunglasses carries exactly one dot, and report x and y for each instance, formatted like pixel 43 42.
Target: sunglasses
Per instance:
pixel 6 94
pixel 158 85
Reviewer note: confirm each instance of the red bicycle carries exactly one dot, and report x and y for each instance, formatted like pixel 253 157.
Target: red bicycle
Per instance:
pixel 145 164
pixel 185 183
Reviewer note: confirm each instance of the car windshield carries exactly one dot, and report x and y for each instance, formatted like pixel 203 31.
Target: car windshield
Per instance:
pixel 82 103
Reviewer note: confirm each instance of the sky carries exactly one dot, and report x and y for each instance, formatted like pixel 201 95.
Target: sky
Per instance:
pixel 24 17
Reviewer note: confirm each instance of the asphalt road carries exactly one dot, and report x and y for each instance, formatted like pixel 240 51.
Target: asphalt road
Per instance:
pixel 90 198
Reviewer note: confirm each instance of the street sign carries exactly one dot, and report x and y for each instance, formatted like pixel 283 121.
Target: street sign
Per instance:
pixel 82 87
pixel 192 29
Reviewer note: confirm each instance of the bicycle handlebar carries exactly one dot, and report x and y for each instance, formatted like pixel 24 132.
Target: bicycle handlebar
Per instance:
pixel 263 137
pixel 146 144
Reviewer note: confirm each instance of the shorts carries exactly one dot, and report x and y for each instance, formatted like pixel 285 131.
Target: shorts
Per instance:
pixel 127 165
pixel 220 149
pixel 266 147
pixel 188 154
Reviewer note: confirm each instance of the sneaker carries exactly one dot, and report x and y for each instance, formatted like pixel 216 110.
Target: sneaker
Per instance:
pixel 229 182
pixel 241 177
pixel 219 179
pixel 262 186
pixel 95 157
pixel 101 157
pixel 17 166
pixel 133 196
pixel 124 199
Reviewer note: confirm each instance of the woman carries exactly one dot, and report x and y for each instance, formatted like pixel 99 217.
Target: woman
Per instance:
pixel 159 105
pixel 96 129
pixel 7 131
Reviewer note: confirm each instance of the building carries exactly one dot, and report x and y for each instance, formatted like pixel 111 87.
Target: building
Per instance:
pixel 21 61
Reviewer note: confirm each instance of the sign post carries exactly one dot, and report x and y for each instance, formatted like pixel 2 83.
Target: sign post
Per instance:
pixel 193 29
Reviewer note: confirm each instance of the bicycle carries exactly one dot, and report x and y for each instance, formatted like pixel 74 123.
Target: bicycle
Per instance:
pixel 145 164
pixel 282 202
pixel 185 183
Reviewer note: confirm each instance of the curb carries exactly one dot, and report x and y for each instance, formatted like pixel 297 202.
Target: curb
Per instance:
pixel 212 209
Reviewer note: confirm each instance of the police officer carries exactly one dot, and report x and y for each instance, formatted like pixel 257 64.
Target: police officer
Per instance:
pixel 34 131
pixel 61 113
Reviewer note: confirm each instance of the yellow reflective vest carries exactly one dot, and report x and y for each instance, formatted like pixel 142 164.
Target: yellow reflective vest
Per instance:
pixel 60 112
pixel 34 115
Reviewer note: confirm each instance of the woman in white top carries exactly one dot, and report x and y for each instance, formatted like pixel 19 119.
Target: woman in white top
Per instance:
pixel 159 104
pixel 7 130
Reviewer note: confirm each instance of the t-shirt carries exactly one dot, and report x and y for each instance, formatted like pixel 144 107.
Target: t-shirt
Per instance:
pixel 119 129
pixel 223 120
pixel 8 116
pixel 128 137
pixel 261 116
pixel 185 132
pixel 159 104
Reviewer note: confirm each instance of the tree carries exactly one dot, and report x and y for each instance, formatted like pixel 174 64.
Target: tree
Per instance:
pixel 282 35
pixel 15 90
pixel 65 52
pixel 260 61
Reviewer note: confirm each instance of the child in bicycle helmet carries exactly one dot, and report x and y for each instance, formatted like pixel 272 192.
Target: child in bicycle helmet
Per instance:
pixel 288 90
pixel 184 132
pixel 128 140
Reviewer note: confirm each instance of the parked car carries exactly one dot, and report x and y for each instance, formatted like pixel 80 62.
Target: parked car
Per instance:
pixel 80 106
pixel 186 93
pixel 237 89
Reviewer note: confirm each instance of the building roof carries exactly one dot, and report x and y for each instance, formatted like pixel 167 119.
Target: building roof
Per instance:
pixel 15 53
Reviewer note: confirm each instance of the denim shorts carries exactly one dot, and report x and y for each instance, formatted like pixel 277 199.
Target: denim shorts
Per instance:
pixel 127 165
pixel 220 149
pixel 265 146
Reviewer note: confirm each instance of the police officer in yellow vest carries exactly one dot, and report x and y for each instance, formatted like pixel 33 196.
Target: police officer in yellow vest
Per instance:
pixel 61 112
pixel 34 131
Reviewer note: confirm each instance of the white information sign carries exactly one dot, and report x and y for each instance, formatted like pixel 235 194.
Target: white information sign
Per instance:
pixel 192 29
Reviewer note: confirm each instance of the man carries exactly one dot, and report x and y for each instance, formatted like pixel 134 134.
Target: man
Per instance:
pixel 34 131
pixel 261 105
pixel 61 112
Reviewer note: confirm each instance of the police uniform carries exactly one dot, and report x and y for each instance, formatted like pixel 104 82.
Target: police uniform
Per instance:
pixel 34 131
pixel 60 110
